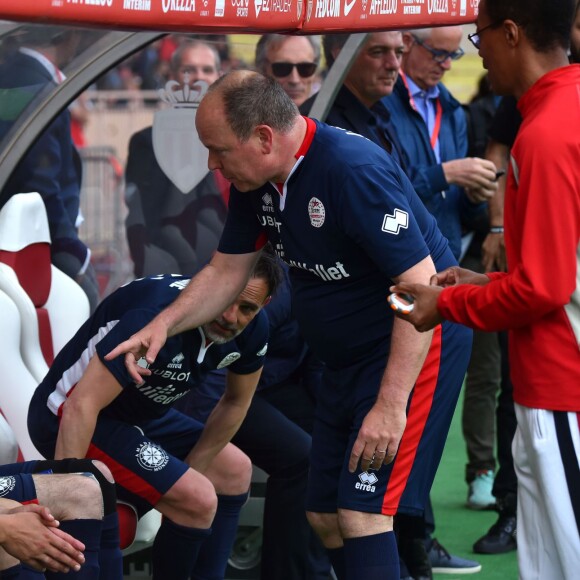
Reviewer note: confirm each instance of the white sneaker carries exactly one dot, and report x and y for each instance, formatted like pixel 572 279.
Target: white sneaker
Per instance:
pixel 479 496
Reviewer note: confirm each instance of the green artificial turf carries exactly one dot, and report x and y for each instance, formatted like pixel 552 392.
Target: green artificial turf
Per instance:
pixel 458 527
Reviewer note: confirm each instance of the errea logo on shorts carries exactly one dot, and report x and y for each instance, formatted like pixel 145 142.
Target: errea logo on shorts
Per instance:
pixel 367 481
pixel 393 223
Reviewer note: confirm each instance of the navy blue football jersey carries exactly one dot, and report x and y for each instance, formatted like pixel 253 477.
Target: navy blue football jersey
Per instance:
pixel 182 363
pixel 347 220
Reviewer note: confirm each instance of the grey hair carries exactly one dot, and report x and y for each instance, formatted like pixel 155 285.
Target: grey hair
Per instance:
pixel 186 45
pixel 252 99
pixel 268 40
pixel 420 33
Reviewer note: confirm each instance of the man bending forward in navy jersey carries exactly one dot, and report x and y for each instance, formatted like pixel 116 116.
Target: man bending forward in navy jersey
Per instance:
pixel 345 218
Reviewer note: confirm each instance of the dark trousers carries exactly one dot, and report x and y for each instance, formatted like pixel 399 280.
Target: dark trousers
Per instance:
pixel 482 385
pixel 506 484
pixel 275 435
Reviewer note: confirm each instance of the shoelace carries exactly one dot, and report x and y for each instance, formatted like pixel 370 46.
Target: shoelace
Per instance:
pixel 441 551
pixel 506 526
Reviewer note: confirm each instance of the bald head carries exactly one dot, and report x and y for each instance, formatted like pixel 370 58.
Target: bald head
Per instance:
pixel 250 99
pixel 251 129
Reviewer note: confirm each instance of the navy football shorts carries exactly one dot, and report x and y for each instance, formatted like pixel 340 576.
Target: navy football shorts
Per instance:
pixel 345 398
pixel 16 481
pixel 146 461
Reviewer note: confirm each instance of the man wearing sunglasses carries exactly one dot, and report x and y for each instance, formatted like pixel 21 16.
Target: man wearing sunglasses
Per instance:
pixel 291 60
pixel 432 129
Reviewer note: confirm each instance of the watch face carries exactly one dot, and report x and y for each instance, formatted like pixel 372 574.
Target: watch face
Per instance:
pixel 403 303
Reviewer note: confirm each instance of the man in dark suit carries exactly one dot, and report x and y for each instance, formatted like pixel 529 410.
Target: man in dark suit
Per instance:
pixel 169 230
pixel 52 166
pixel 372 76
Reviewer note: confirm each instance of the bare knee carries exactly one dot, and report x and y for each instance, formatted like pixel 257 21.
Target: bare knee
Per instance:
pixel 327 528
pixel 104 470
pixel 230 472
pixel 70 496
pixel 191 501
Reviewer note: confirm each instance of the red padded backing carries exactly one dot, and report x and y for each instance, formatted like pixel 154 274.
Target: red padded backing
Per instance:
pixel 45 335
pixel 127 524
pixel 32 268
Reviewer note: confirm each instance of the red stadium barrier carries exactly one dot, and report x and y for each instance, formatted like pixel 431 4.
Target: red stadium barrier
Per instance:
pixel 298 16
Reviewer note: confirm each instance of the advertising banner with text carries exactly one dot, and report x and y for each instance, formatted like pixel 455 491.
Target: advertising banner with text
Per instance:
pixel 299 16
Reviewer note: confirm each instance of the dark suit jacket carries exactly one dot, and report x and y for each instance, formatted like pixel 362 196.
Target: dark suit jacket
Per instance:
pixel 347 112
pixel 185 227
pixel 52 166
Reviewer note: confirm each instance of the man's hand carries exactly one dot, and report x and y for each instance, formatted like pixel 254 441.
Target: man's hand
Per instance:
pixel 456 275
pixel 145 343
pixel 477 176
pixel 378 438
pixel 493 253
pixel 424 315
pixel 29 533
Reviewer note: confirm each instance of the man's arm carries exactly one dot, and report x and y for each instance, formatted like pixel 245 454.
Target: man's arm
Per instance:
pixel 384 424
pixel 225 419
pixel 207 295
pixel 425 315
pixel 29 534
pixel 493 247
pixel 96 389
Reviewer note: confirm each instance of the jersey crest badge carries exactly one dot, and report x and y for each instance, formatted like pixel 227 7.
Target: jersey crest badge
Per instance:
pixel 316 212
pixel 229 359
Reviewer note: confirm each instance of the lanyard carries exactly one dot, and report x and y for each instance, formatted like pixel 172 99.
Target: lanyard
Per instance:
pixel 438 113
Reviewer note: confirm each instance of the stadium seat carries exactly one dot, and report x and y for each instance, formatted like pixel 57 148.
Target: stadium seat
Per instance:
pixel 52 306
pixel 16 386
pixel 40 308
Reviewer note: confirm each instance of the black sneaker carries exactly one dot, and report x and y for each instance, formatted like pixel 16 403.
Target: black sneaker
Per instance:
pixel 500 538
pixel 442 562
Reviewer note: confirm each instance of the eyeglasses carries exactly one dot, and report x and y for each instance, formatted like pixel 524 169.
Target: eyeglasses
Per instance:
pixel 475 37
pixel 283 69
pixel 440 56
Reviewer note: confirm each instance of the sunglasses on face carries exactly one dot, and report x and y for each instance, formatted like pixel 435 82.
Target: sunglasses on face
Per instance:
pixel 283 69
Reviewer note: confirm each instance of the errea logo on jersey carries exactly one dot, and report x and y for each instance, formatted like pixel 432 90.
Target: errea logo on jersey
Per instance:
pixel 393 223
pixel 366 481
pixel 268 203
pixel 176 361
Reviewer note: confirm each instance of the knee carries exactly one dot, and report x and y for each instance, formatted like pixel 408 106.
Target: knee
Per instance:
pixel 104 470
pixel 240 475
pixel 230 472
pixel 81 497
pixel 326 527
pixel 191 502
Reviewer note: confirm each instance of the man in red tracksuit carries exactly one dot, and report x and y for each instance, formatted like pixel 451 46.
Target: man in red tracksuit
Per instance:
pixel 538 300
